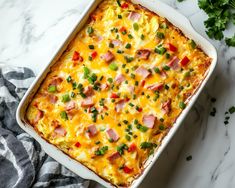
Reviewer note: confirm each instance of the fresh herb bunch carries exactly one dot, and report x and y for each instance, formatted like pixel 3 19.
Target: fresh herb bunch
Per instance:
pixel 220 14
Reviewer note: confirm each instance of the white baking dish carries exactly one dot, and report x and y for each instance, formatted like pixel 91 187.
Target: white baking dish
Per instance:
pixel 161 9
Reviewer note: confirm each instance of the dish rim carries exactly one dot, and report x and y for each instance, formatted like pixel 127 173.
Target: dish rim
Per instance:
pixel 175 18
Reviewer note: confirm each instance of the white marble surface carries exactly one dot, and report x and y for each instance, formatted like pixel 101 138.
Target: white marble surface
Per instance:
pixel 30 33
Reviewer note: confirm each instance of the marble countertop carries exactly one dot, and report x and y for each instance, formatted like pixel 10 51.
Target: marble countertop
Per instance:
pixel 32 31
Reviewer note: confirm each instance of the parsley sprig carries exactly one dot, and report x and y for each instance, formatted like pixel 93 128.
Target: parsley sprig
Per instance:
pixel 220 14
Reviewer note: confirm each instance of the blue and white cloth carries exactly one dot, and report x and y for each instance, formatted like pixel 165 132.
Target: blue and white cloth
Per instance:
pixel 23 163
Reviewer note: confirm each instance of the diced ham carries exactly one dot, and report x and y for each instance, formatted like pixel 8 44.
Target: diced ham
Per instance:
pixel 104 86
pixel 88 91
pixel 108 57
pixel 87 102
pixel 163 74
pixel 119 105
pixel 92 130
pixel 112 135
pixel 143 72
pixel 60 131
pixel 52 98
pixel 56 81
pixel 70 105
pixel 120 78
pixel 143 54
pixel 149 120
pixel 38 116
pixel 131 89
pixel 116 42
pixel 114 156
pixel 174 63
pixel 134 16
pixel 166 106
pixel 155 87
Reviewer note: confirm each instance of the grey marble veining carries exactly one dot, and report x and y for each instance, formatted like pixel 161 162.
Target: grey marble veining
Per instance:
pixel 31 32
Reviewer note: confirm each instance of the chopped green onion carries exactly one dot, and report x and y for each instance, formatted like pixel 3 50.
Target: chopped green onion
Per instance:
pixel 86 72
pixel 160 50
pixel 69 79
pixel 128 137
pixel 193 44
pixel 182 105
pixel 231 110
pixel 128 46
pixel 113 66
pixel 111 45
pixel 142 37
pixel 130 36
pixel 160 35
pixel 110 80
pixel 166 68
pixel 91 46
pixel 51 89
pixel 119 16
pixel 147 145
pixel 64 115
pixel 65 98
pixel 157 70
pixel 90 30
pixel 136 26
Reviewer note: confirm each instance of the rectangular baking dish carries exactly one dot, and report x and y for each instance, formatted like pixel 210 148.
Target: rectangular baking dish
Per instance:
pixel 162 10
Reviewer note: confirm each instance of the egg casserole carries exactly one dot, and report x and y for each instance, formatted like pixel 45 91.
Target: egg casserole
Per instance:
pixel 117 90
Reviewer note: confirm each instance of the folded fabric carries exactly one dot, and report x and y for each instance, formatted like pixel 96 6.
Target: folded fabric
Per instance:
pixel 23 163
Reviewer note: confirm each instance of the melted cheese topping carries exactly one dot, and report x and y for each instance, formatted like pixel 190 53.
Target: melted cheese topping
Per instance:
pixel 57 111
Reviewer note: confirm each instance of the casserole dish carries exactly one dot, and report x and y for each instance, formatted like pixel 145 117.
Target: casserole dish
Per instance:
pixel 77 167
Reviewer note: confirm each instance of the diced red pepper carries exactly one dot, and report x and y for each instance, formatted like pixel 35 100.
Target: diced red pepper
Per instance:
pixel 77 144
pixel 94 54
pixel 127 99
pixel 124 5
pixel 114 96
pixel 172 47
pixel 142 83
pixel 122 29
pixel 76 56
pixel 93 18
pixel 127 170
pixel 139 109
pixel 184 61
pixel 132 148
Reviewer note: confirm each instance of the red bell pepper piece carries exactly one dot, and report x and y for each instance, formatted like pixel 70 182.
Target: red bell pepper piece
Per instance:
pixel 94 54
pixel 124 5
pixel 132 148
pixel 127 170
pixel 77 144
pixel 114 96
pixel 184 61
pixel 172 47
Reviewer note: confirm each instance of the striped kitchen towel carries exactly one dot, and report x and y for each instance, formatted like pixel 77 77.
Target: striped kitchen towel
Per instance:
pixel 23 163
